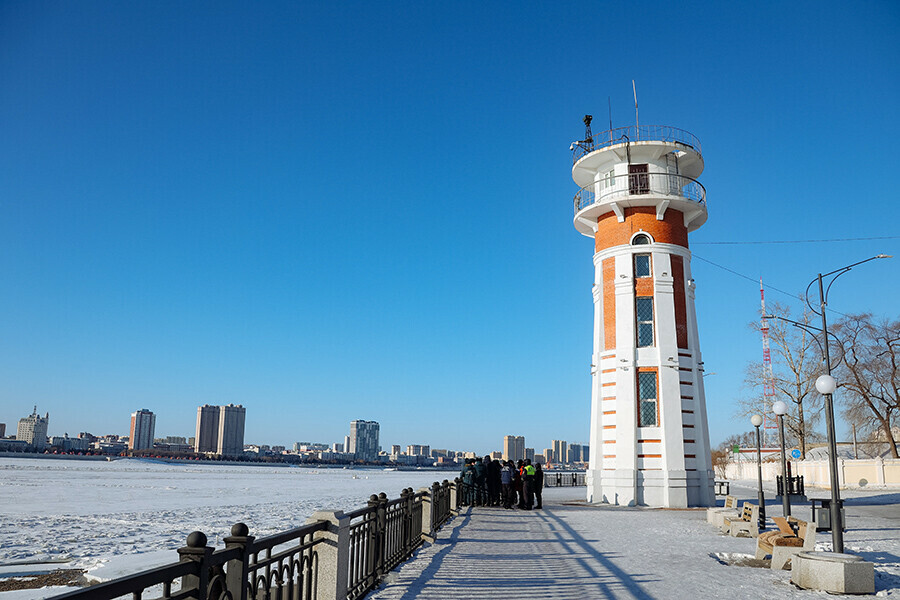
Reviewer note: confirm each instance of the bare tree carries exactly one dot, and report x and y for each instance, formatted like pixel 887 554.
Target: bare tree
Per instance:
pixel 796 361
pixel 870 374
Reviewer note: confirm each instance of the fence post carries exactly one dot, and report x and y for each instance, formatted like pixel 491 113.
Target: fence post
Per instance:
pixel 445 502
pixel 333 550
pixel 879 471
pixel 429 510
pixel 380 535
pixel 454 497
pixel 237 569
pixel 197 552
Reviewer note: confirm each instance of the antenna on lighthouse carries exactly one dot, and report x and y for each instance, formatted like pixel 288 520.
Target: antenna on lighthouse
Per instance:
pixel 588 136
pixel 634 89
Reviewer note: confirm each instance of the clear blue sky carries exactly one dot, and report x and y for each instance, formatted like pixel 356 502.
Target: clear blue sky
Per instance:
pixel 345 210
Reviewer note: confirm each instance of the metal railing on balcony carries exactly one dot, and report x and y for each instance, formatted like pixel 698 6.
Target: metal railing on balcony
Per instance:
pixel 639 184
pixel 634 133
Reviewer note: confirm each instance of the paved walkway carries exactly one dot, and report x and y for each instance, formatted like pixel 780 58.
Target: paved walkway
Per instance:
pixel 569 551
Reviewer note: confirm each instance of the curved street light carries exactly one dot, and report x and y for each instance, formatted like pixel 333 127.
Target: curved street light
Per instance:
pixel 756 421
pixel 827 389
pixel 780 409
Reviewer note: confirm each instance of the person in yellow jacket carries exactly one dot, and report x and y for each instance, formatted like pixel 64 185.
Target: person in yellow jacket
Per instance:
pixel 528 484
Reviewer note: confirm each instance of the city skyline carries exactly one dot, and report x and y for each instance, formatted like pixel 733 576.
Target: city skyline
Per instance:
pixel 239 205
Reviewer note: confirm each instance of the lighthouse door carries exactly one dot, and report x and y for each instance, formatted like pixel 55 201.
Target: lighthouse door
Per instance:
pixel 638 179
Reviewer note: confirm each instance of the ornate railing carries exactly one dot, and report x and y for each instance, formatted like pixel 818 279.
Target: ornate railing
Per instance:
pixel 563 479
pixel 633 133
pixel 335 556
pixel 638 184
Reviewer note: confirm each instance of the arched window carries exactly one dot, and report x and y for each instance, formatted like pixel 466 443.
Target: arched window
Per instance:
pixel 641 239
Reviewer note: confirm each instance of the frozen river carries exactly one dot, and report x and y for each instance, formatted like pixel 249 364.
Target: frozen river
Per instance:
pixel 101 516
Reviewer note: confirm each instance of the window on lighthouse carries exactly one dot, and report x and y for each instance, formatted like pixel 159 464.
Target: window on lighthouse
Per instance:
pixel 643 306
pixel 647 398
pixel 642 265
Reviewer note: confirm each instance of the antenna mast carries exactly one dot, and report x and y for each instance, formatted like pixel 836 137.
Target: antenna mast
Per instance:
pixel 637 123
pixel 768 377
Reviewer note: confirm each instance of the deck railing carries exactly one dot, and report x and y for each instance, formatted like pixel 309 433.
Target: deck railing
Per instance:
pixel 639 184
pixel 633 133
pixel 335 556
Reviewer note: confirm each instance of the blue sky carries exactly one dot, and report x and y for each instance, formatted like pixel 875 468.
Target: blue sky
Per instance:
pixel 351 210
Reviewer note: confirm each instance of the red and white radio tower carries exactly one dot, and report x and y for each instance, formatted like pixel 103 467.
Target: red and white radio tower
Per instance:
pixel 768 377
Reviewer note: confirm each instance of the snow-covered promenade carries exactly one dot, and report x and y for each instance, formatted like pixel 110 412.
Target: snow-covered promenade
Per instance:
pixel 572 551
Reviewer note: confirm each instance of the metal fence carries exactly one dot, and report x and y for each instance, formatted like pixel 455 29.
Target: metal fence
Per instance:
pixel 563 479
pixel 636 184
pixel 335 556
pixel 633 133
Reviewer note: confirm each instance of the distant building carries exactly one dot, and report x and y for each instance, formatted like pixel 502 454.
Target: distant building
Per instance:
pixel 575 453
pixel 231 430
pixel 548 454
pixel 513 447
pixel 560 451
pixel 364 439
pixel 396 450
pixel 529 454
pixel 337 448
pixel 585 453
pixel 438 452
pixel 539 459
pixel 143 427
pixel 496 455
pixel 33 429
pixel 418 450
pixel 2 430
pixel 207 437
pixel 67 444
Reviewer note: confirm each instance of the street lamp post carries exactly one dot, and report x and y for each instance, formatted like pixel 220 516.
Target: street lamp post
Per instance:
pixel 757 420
pixel 780 409
pixel 826 385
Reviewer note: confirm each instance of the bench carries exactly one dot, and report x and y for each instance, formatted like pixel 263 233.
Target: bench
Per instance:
pixel 715 514
pixel 784 543
pixel 747 522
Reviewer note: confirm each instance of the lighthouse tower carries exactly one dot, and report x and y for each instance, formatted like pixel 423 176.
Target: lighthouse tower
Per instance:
pixel 639 199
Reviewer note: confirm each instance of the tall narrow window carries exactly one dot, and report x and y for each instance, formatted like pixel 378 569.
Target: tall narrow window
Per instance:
pixel 642 265
pixel 644 312
pixel 647 399
pixel 609 179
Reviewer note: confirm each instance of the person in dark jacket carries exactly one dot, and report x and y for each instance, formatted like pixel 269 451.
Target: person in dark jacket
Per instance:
pixel 480 480
pixel 528 484
pixel 493 481
pixel 468 478
pixel 520 469
pixel 538 485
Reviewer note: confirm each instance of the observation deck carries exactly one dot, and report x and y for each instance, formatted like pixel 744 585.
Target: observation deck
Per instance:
pixel 650 165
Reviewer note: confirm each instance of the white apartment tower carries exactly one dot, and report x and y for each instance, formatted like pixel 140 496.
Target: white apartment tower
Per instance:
pixel 230 439
pixel 143 427
pixel 513 447
pixel 638 201
pixel 364 439
pixel 33 429
pixel 207 433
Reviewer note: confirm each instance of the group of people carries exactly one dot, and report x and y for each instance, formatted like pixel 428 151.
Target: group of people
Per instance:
pixel 488 482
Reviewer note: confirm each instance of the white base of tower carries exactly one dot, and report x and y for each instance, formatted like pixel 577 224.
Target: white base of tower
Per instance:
pixel 671 489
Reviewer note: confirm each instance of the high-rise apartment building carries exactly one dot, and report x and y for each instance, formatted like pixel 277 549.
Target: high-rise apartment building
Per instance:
pixel 33 429
pixel 364 439
pixel 513 447
pixel 418 450
pixel 575 453
pixel 529 454
pixel 207 437
pixel 560 451
pixel 143 426
pixel 396 450
pixel 548 454
pixel 2 430
pixel 231 430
